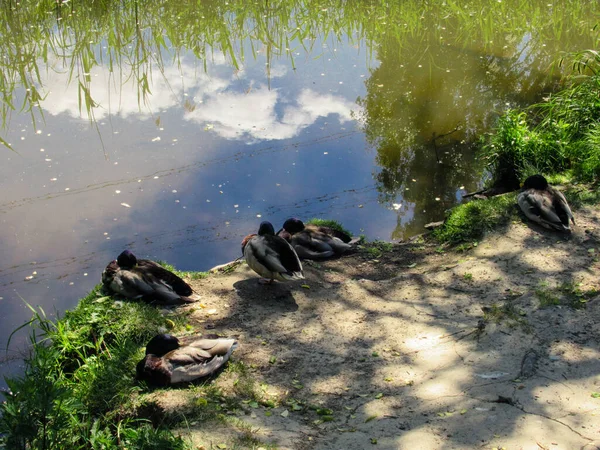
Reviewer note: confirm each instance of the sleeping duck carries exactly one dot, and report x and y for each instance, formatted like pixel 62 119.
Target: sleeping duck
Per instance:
pixel 270 256
pixel 544 205
pixel 168 362
pixel 144 279
pixel 313 241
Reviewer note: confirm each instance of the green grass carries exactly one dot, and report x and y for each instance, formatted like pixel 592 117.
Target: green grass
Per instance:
pixel 79 388
pixel 559 138
pixel 507 313
pixel 470 221
pixel 560 134
pixel 567 294
pixel 183 274
pixel 377 248
pixel 333 224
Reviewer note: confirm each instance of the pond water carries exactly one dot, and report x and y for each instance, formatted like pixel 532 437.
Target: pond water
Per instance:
pixel 177 137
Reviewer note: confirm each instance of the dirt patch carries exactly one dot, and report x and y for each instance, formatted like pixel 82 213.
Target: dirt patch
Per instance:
pixel 412 348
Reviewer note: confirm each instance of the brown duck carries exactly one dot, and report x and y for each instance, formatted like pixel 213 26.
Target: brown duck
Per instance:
pixel 313 241
pixel 146 280
pixel 545 205
pixel 169 362
pixel 270 256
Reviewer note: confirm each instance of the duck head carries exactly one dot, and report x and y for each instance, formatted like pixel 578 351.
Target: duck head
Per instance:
pixel 161 344
pixel 266 229
pixel 293 225
pixel 126 260
pixel 535 182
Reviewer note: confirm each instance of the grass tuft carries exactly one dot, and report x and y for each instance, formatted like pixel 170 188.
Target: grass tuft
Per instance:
pixel 469 221
pixel 79 384
pixel 333 224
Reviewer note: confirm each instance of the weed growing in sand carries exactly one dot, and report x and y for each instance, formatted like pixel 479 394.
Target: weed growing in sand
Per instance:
pixel 568 294
pixel 377 248
pixel 575 296
pixel 508 313
pixel 468 276
pixel 546 295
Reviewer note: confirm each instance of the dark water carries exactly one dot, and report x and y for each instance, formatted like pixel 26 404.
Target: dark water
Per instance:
pixel 178 153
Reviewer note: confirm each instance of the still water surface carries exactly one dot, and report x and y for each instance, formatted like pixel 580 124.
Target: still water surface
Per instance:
pixel 177 137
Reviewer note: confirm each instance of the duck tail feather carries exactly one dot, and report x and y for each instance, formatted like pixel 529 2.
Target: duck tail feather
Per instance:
pixel 292 276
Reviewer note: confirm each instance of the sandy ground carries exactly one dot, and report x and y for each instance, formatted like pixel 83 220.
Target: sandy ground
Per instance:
pixel 399 351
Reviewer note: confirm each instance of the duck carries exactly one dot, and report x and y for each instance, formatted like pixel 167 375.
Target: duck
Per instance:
pixel 545 205
pixel 271 256
pixel 146 280
pixel 168 361
pixel 314 241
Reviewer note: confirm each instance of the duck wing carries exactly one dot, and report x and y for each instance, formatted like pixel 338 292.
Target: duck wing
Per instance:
pixel 129 284
pixel 159 272
pixel 323 242
pixel 561 206
pixel 330 232
pixel 164 293
pixel 191 362
pixel 275 254
pixel 308 246
pixel 337 244
pixel 538 206
pixel 214 346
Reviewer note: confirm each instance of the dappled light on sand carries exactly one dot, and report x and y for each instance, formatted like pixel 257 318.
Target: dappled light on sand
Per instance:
pixel 487 348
